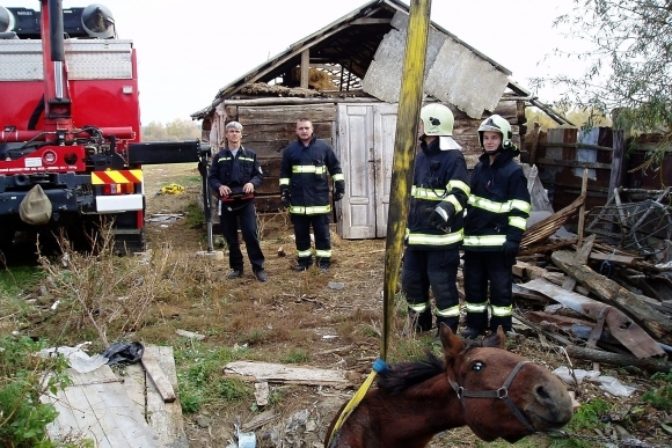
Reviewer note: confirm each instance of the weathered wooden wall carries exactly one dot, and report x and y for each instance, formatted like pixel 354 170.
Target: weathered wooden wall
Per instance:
pixel 562 154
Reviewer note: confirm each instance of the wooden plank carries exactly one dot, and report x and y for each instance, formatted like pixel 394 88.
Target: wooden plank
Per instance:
pixel 96 405
pixel 626 330
pixel 135 382
pixel 150 362
pixel 616 175
pixel 279 373
pixel 325 113
pixel 165 418
pixel 305 68
pixel 575 164
pixel 610 291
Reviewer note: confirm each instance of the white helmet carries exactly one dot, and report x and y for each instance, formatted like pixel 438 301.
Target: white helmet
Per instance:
pixel 437 119
pixel 496 123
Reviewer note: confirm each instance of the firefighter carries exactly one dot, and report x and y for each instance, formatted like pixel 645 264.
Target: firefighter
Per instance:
pixel 235 174
pixel 304 190
pixel 438 199
pixel 499 206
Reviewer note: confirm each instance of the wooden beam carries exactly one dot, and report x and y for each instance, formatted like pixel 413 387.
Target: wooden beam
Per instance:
pixel 151 364
pixel 582 209
pixel 575 164
pixel 611 292
pixel 615 179
pixel 305 68
pixel 371 21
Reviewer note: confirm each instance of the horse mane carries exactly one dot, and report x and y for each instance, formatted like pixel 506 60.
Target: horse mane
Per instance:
pixel 399 377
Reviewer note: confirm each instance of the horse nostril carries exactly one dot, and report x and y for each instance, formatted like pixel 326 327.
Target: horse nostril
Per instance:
pixel 542 393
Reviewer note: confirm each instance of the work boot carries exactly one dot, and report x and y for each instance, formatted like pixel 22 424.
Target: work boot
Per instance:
pixel 300 268
pixel 261 275
pixel 420 321
pixel 324 268
pixel 234 273
pixel 470 333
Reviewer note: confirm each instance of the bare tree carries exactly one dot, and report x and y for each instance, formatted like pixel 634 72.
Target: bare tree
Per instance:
pixel 629 62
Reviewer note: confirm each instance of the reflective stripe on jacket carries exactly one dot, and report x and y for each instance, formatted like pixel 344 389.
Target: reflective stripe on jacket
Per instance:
pixel 499 204
pixel 304 173
pixel 234 172
pixel 440 176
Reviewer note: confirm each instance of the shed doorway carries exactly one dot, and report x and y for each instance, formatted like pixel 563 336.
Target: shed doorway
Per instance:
pixel 365 146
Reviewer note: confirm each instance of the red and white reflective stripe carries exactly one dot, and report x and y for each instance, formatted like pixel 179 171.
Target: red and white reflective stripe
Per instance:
pixel 116 177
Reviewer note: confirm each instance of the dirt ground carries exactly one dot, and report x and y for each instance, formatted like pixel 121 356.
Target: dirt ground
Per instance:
pixel 327 320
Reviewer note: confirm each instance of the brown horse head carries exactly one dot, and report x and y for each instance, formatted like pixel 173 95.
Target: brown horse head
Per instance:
pixel 502 394
pixel 494 392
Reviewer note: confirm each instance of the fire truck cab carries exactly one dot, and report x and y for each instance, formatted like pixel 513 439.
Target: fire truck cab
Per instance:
pixel 70 150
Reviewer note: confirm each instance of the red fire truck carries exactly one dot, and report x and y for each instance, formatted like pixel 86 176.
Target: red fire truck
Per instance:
pixel 70 150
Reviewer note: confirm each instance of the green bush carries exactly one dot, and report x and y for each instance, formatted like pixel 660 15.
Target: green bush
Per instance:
pixel 23 418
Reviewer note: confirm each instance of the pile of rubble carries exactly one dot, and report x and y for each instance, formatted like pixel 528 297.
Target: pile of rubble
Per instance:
pixel 604 293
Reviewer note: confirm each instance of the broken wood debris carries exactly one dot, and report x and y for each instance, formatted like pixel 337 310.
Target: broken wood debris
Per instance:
pixel 279 373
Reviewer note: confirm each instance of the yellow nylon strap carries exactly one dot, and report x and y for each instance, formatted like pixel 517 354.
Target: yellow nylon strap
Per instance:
pixel 352 404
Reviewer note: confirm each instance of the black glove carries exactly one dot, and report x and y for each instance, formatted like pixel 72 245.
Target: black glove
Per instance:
pixel 284 197
pixel 338 195
pixel 511 251
pixel 441 215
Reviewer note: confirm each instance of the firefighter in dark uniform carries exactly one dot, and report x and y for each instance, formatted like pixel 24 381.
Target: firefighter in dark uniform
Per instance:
pixel 304 188
pixel 234 175
pixel 438 199
pixel 497 213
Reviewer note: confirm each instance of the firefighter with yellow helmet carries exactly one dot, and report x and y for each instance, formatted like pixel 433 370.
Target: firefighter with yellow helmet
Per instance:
pixel 438 198
pixel 499 206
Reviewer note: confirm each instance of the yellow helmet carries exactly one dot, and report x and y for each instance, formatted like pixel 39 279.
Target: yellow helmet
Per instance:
pixel 437 119
pixel 496 123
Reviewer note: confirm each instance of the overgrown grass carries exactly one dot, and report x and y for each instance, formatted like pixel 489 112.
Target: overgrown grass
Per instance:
pixel 194 216
pixel 660 397
pixel 296 356
pixel 15 280
pixel 200 378
pixel 24 377
pixel 587 418
pixel 15 284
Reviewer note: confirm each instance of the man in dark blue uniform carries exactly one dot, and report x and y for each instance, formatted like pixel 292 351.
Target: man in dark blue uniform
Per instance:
pixel 235 174
pixel 498 209
pixel 434 234
pixel 304 188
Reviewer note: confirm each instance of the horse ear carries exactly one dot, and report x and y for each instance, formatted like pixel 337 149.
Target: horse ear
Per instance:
pixel 452 344
pixel 497 339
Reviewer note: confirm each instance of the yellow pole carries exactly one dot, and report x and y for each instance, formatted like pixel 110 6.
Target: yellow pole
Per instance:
pixel 405 140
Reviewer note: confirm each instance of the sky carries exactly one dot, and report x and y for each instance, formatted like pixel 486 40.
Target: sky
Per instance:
pixel 188 50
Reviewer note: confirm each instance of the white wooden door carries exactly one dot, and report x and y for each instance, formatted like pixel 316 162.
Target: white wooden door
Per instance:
pixel 384 129
pixel 365 144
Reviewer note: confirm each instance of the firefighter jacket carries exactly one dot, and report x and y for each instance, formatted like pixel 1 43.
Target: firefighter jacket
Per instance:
pixel 234 172
pixel 499 204
pixel 303 175
pixel 440 177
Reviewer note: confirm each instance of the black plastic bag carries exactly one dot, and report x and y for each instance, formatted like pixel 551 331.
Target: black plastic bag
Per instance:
pixel 124 353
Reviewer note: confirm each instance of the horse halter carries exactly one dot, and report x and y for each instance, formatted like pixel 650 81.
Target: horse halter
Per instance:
pixel 501 394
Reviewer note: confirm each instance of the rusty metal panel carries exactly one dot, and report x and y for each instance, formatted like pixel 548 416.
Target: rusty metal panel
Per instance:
pixel 459 77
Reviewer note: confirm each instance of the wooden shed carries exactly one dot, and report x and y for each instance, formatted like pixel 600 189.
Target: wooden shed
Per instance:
pixel 346 78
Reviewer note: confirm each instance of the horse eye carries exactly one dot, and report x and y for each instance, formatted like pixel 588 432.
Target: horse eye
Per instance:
pixel 477 366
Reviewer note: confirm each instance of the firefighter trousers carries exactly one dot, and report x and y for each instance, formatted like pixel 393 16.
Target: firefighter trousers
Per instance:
pixel 320 224
pixel 437 269
pixel 485 271
pixel 246 216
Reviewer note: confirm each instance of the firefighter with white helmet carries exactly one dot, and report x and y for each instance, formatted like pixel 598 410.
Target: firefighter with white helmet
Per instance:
pixel 499 206
pixel 438 199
